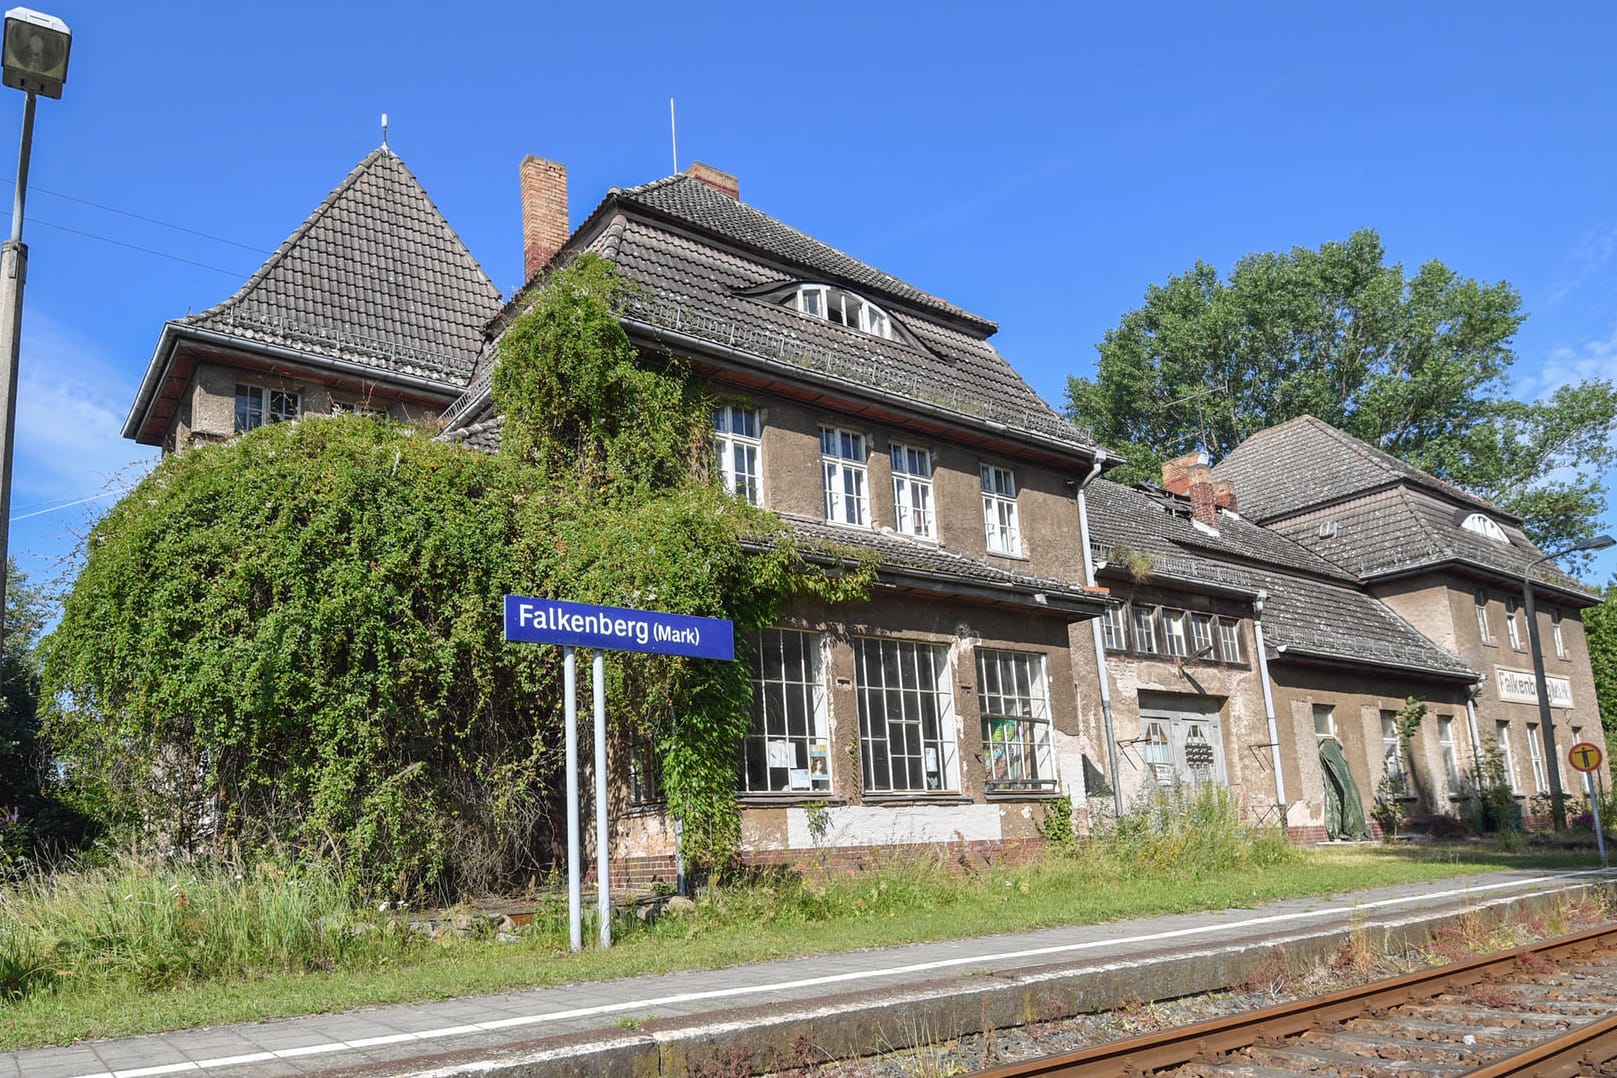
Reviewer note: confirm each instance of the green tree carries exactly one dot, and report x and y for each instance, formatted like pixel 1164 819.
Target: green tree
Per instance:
pixel 293 639
pixel 1414 365
pixel 1600 630
pixel 35 827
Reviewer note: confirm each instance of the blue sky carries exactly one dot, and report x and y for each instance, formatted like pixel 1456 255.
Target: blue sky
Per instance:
pixel 1040 167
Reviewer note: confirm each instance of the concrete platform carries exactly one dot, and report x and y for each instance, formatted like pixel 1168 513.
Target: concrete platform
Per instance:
pixel 791 1012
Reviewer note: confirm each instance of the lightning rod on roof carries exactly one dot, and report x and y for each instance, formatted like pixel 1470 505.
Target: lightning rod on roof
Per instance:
pixel 384 130
pixel 673 134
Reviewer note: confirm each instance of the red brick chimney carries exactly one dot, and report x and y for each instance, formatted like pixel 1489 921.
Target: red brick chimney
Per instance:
pixel 1224 495
pixel 717 179
pixel 1190 476
pixel 544 213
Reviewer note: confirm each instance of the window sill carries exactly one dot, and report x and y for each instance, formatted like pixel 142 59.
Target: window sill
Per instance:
pixel 788 798
pixel 1007 557
pixel 906 798
pixel 1024 794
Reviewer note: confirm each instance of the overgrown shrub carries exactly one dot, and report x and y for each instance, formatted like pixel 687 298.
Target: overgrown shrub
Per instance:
pixel 1182 828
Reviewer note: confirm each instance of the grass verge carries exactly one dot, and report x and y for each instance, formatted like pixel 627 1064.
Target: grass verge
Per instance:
pixel 125 951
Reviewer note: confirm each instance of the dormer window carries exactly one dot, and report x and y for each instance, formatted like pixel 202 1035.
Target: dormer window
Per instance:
pixel 1485 527
pixel 833 304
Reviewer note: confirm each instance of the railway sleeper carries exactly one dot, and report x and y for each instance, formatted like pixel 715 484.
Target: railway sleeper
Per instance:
pixel 1481 1034
pixel 1321 1062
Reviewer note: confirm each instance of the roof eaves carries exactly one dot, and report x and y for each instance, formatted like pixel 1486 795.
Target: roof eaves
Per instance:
pixel 1334 658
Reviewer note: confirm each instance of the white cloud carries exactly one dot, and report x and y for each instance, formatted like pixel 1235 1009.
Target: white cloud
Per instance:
pixel 1566 364
pixel 1592 254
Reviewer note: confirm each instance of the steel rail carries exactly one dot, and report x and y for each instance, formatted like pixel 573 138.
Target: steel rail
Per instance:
pixel 1579 1051
pixel 1213 1038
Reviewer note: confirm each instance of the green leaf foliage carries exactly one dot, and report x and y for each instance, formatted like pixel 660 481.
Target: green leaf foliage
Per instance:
pixel 1600 631
pixel 293 639
pixel 1415 365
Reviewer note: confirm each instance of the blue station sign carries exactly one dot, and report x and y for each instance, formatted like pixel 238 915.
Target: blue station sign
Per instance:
pixel 614 628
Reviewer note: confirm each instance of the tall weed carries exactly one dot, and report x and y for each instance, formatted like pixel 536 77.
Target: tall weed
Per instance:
pixel 1183 829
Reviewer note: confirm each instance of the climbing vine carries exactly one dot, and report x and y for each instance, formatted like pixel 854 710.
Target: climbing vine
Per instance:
pixel 293 639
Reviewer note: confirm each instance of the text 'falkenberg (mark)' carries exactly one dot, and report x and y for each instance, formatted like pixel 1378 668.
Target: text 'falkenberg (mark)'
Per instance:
pixel 640 631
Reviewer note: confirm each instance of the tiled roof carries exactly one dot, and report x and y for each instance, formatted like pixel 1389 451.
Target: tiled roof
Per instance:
pixel 376 276
pixel 1305 462
pixel 1313 608
pixel 696 203
pixel 902 552
pixel 1398 529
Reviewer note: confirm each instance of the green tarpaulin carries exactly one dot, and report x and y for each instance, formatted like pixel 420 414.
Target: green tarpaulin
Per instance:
pixel 1344 810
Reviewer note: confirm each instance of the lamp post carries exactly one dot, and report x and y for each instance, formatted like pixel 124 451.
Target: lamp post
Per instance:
pixel 1540 685
pixel 33 59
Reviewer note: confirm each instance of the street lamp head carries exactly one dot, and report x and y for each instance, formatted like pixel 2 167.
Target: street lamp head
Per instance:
pixel 1599 542
pixel 34 55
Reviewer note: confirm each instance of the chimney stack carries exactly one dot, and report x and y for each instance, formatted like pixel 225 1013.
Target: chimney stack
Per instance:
pixel 1190 476
pixel 544 213
pixel 717 179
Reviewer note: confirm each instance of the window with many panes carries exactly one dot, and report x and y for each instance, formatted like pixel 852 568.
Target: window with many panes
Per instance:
pixel 645 774
pixel 1392 757
pixel 1145 629
pixel 1482 618
pixel 1167 631
pixel 1506 760
pixel 1555 631
pixel 1445 744
pixel 842 461
pixel 1173 633
pixel 912 491
pixel 842 307
pixel 999 510
pixel 786 748
pixel 906 716
pixel 1512 625
pixel 256 405
pixel 1112 628
pixel 1159 752
pixel 1015 707
pixel 738 450
pixel 1535 756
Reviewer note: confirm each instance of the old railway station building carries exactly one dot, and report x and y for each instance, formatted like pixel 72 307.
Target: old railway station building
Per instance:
pixel 1037 630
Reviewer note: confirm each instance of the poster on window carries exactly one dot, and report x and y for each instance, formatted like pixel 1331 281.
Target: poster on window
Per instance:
pixel 781 754
pixel 1001 736
pixel 820 763
pixel 799 778
pixel 933 780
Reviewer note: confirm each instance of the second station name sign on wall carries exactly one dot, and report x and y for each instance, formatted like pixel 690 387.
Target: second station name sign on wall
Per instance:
pixel 614 628
pixel 1518 686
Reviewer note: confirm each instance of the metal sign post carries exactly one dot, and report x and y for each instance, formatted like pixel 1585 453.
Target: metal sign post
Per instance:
pixel 1586 756
pixel 603 628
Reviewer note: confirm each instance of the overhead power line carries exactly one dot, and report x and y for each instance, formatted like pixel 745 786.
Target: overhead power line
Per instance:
pixel 142 217
pixel 68 505
pixel 137 247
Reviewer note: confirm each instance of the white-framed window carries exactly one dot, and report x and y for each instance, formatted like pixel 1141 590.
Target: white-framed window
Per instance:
pixel 1229 640
pixel 359 408
pixel 738 450
pixel 257 405
pixel 906 716
pixel 1201 636
pixel 999 510
pixel 1324 720
pixel 912 491
pixel 1392 757
pixel 1485 527
pixel 1512 626
pixel 1445 744
pixel 1535 756
pixel 1173 633
pixel 1145 629
pixel 787 748
pixel 1482 617
pixel 1159 752
pixel 1112 628
pixel 842 459
pixel 1015 707
pixel 1506 759
pixel 845 308
pixel 1555 631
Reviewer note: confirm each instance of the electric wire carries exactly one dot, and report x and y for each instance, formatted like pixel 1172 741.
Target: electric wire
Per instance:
pixel 71 504
pixel 137 247
pixel 142 217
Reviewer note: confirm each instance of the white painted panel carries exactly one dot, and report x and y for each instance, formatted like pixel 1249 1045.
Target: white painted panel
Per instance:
pixel 876 825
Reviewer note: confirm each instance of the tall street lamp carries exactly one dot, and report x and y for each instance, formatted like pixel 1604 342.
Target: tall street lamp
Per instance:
pixel 33 59
pixel 1557 805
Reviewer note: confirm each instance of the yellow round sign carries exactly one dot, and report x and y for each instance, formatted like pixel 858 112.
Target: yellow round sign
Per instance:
pixel 1584 756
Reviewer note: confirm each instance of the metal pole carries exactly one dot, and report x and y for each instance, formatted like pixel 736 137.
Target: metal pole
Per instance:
pixel 575 925
pixel 1108 723
pixel 13 275
pixel 1546 721
pixel 603 893
pixel 1600 831
pixel 1269 711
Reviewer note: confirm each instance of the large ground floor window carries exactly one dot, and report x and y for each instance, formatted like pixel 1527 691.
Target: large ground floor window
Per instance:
pixel 1015 706
pixel 786 748
pixel 906 716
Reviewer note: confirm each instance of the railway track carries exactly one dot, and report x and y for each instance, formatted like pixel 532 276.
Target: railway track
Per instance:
pixel 1545 1009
